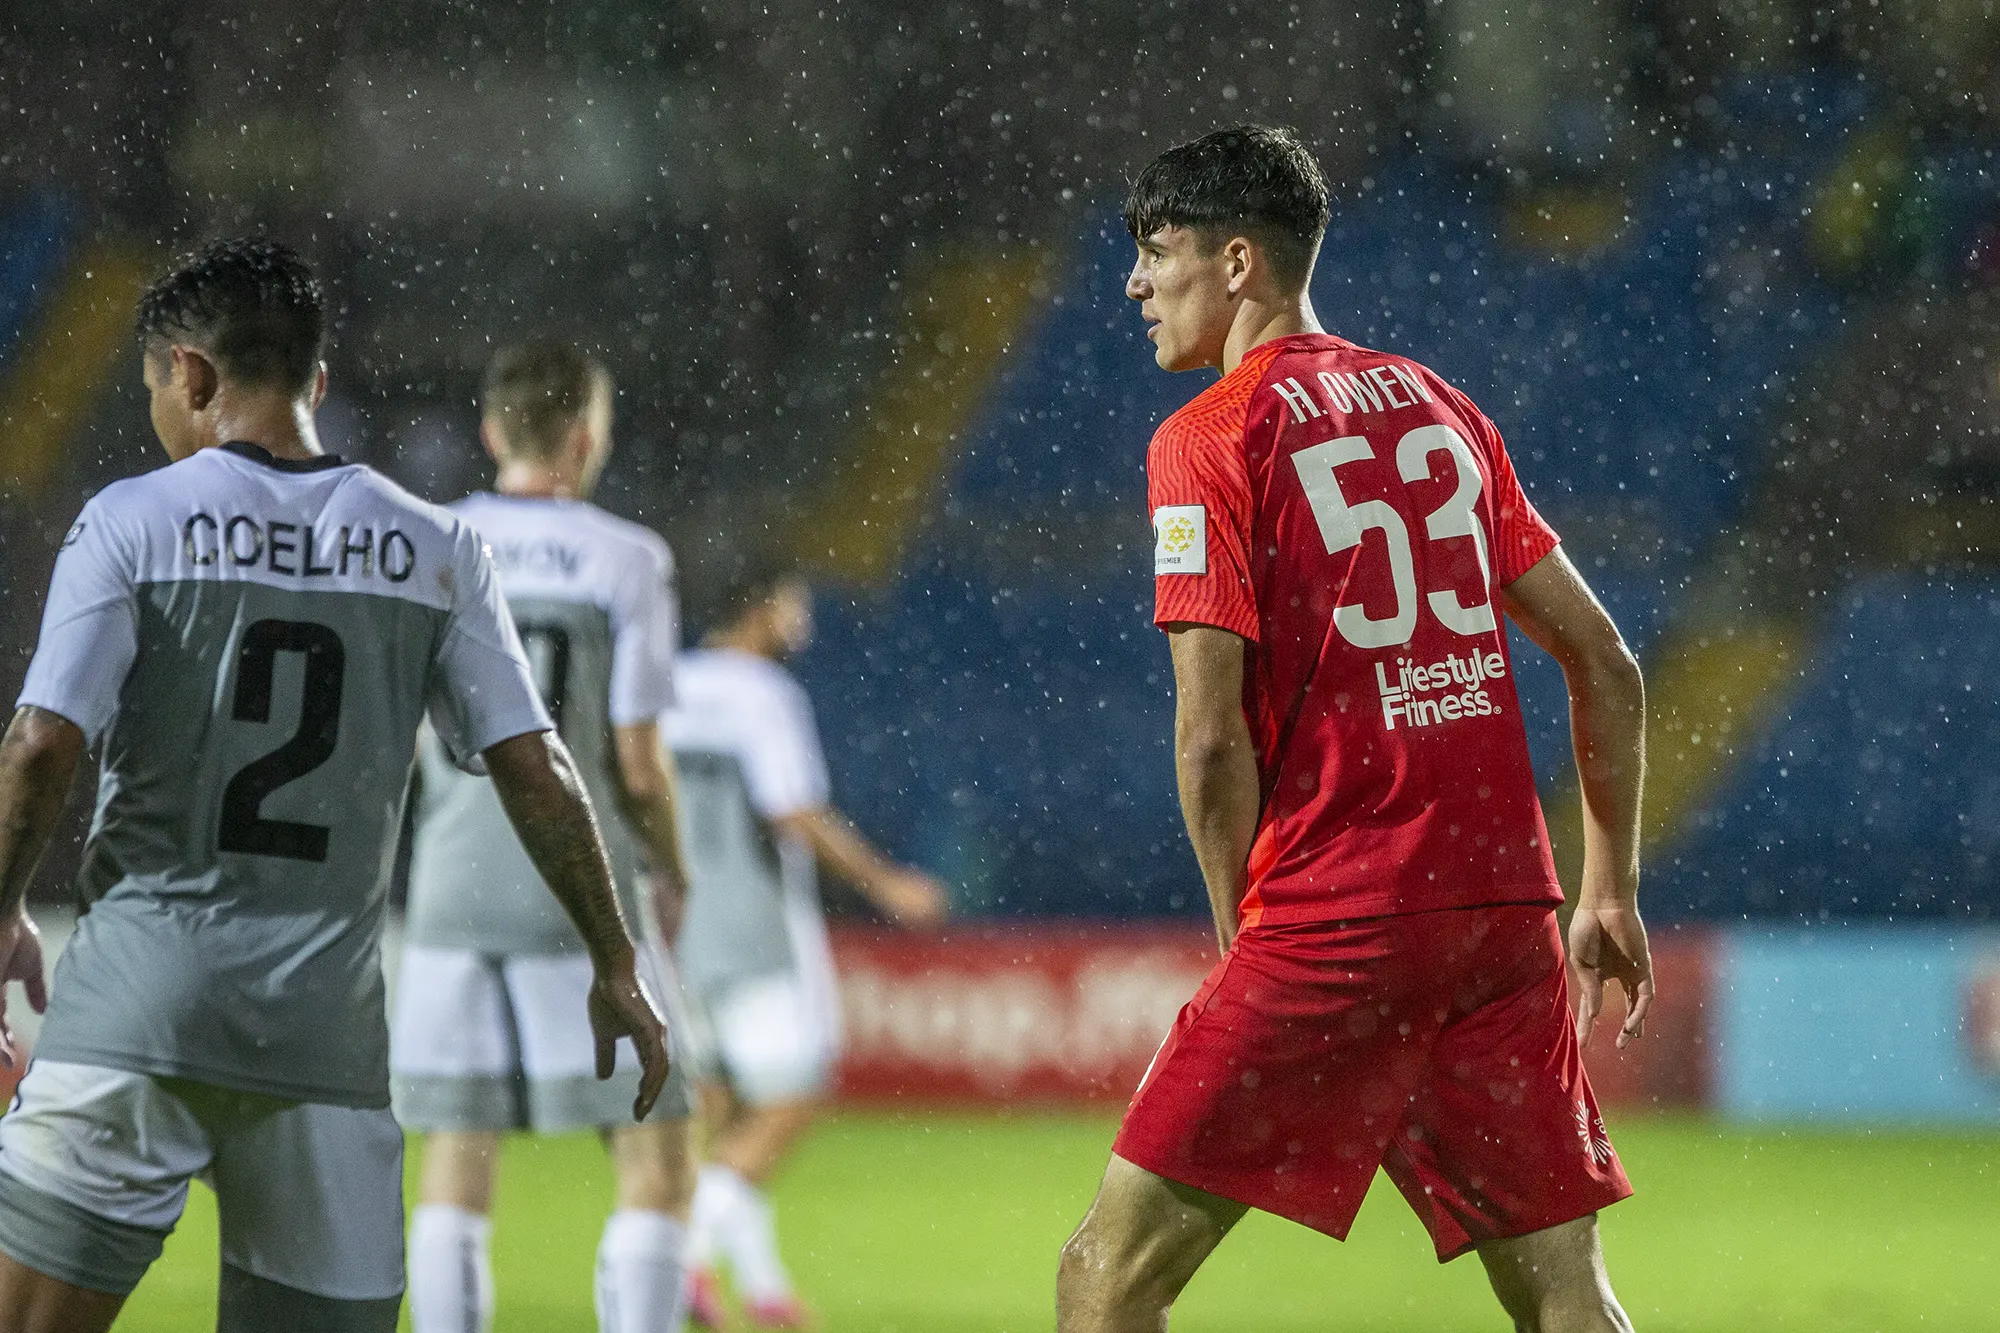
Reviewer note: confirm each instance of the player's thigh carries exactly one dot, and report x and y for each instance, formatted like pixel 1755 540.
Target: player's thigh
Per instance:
pixel 33 1302
pixel 1503 1136
pixel 247 1303
pixel 94 1171
pixel 1557 1269
pixel 311 1198
pixel 771 1041
pixel 454 1062
pixel 550 997
pixel 1144 1235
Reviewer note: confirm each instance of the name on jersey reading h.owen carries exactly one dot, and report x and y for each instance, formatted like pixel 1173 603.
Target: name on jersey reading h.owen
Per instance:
pixel 243 542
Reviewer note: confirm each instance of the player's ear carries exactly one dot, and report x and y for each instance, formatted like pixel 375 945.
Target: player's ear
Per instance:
pixel 489 440
pixel 318 392
pixel 1239 259
pixel 194 377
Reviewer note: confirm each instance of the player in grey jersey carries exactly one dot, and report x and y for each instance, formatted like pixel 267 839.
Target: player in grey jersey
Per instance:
pixel 252 635
pixel 486 1035
pixel 753 948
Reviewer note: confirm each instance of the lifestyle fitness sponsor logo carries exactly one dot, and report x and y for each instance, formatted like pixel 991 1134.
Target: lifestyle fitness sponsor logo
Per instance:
pixel 1431 694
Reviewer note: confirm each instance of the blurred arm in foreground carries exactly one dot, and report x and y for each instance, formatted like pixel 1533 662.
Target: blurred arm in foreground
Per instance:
pixel 37 760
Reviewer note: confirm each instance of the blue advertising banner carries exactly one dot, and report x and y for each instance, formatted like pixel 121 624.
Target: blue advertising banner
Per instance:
pixel 1858 1023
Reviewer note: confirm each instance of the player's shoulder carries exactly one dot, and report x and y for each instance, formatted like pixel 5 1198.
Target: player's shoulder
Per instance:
pixel 620 543
pixel 634 542
pixel 720 674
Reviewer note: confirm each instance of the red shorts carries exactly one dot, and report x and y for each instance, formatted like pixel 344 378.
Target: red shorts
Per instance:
pixel 1436 1045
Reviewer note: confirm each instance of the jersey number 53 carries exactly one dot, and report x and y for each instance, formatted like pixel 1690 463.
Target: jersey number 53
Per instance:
pixel 1341 526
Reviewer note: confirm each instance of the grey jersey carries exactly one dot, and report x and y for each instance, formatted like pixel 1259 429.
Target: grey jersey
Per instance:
pixel 593 598
pixel 256 642
pixel 743 737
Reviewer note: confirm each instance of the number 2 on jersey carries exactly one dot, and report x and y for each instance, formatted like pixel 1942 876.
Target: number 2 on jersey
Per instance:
pixel 242 828
pixel 1342 525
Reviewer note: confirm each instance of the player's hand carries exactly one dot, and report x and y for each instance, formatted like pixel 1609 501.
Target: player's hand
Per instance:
pixel 912 898
pixel 620 1007
pixel 1609 944
pixel 20 960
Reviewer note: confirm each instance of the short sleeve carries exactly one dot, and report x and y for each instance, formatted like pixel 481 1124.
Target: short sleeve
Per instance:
pixel 1521 537
pixel 782 760
pixel 90 630
pixel 483 690
pixel 646 632
pixel 1199 490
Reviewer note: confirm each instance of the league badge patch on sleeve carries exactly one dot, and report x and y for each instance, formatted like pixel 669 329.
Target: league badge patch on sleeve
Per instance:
pixel 1180 539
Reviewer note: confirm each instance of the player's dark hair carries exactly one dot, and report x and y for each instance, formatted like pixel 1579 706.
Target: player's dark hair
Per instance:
pixel 534 391
pixel 734 584
pixel 1258 181
pixel 251 305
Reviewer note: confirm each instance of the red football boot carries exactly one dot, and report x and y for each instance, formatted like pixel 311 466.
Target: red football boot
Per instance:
pixel 704 1292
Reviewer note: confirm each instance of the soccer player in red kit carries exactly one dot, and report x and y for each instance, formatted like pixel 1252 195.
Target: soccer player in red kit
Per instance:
pixel 1338 531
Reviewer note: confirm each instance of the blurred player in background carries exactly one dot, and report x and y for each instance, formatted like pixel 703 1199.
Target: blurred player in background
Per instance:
pixel 753 947
pixel 253 634
pixel 1336 528
pixel 488 1034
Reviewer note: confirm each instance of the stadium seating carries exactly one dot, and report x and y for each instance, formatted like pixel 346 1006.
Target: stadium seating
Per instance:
pixel 1878 796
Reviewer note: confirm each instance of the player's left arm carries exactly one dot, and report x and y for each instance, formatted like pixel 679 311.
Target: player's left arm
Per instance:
pixel 646 641
pixel 1607 694
pixel 904 894
pixel 1216 764
pixel 648 788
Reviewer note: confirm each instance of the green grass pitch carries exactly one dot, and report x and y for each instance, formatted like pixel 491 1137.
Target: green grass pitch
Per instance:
pixel 927 1223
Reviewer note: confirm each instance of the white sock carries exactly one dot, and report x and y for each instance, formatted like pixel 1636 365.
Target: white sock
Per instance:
pixel 703 1221
pixel 745 1233
pixel 451 1271
pixel 639 1273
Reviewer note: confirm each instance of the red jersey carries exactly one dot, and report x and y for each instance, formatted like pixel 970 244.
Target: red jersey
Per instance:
pixel 1351 515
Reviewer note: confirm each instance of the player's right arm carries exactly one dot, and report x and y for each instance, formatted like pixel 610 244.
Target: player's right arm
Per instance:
pixel 1607 695
pixel 1215 763
pixel 89 637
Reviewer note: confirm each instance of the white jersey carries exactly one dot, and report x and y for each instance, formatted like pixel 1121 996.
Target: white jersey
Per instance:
pixel 593 598
pixel 256 641
pixel 748 750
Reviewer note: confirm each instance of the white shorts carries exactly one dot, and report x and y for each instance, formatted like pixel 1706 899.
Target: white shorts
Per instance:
pixel 95 1164
pixel 772 1038
pixel 486 1042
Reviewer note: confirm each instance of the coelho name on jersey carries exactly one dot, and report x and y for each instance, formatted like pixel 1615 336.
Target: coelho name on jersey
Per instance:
pixel 242 541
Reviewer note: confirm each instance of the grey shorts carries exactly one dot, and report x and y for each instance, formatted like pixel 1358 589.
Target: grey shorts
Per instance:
pixel 95 1165
pixel 498 1042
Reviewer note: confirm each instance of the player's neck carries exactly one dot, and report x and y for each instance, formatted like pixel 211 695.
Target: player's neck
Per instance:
pixel 1259 321
pixel 530 480
pixel 743 639
pixel 277 423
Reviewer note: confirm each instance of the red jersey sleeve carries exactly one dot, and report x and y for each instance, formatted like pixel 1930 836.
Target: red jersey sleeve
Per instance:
pixel 1521 537
pixel 1198 487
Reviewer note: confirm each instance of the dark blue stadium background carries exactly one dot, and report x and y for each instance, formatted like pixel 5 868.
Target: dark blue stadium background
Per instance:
pixel 1002 713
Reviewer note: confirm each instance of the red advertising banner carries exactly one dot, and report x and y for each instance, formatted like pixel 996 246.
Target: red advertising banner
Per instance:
pixel 1072 1012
